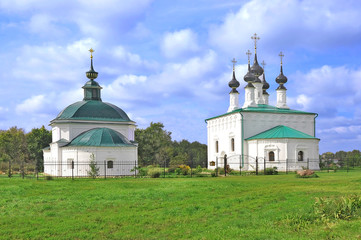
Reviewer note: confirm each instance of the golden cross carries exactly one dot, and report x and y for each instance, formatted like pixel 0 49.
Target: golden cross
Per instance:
pixel 281 56
pixel 234 62
pixel 249 54
pixel 255 38
pixel 91 53
pixel 263 64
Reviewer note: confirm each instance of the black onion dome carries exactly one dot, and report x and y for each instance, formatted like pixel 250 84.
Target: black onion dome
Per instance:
pixel 265 83
pixel 249 77
pixel 233 83
pixel 256 69
pixel 91 74
pixel 281 79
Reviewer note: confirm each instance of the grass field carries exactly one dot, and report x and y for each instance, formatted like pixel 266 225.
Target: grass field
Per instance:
pixel 247 207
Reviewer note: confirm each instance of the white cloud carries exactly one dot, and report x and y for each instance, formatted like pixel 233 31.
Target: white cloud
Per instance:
pixel 31 105
pixel 52 63
pixel 179 43
pixel 327 90
pixel 284 23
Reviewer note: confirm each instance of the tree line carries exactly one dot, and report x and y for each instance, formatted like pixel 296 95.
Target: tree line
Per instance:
pixel 155 147
pixel 350 158
pixel 18 148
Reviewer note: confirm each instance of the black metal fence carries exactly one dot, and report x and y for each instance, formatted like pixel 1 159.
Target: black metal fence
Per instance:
pixel 235 165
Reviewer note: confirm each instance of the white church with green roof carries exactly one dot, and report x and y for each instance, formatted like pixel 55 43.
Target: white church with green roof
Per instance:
pixel 91 129
pixel 258 135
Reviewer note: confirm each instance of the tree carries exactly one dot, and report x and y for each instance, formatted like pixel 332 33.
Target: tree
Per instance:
pixel 94 170
pixel 13 147
pixel 37 140
pixel 153 144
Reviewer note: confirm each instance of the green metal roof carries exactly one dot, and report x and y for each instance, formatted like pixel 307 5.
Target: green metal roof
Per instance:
pixel 263 108
pixel 93 110
pixel 281 132
pixel 101 137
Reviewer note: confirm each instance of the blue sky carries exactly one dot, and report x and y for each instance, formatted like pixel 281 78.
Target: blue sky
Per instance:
pixel 170 61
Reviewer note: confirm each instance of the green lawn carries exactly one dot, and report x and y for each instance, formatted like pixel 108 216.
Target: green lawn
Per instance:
pixel 234 207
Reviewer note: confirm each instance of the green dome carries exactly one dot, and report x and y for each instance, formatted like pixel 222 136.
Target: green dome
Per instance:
pixel 101 137
pixel 93 111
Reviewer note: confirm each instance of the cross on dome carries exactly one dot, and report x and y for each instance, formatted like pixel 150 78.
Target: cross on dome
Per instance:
pixel 249 55
pixel 91 53
pixel 234 62
pixel 281 56
pixel 255 38
pixel 263 64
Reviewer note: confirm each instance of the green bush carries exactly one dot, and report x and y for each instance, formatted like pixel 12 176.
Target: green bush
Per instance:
pixel 338 208
pixel 198 169
pixel 271 171
pixel 214 174
pixel 47 177
pixel 154 173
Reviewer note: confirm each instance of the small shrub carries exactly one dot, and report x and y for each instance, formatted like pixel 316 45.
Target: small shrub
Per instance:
pixel 338 208
pixel 172 169
pixel 214 174
pixel 271 171
pixel 154 173
pixel 184 169
pixel 198 169
pixel 220 170
pixel 94 170
pixel 47 177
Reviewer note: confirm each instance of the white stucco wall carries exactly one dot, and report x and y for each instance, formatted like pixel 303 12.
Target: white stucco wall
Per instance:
pixel 224 128
pixel 124 159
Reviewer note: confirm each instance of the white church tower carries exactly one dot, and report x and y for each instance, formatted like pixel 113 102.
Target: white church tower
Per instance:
pixel 233 95
pixel 281 90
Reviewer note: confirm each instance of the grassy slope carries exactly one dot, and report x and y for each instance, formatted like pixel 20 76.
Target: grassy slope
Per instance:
pixel 252 207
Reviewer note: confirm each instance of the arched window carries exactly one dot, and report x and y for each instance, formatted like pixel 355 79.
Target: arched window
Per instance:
pixel 216 146
pixel 212 163
pixel 110 164
pixel 300 156
pixel 271 156
pixel 232 144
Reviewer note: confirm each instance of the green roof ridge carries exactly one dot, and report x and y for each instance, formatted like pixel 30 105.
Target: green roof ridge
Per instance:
pixel 264 108
pixel 281 131
pixel 101 137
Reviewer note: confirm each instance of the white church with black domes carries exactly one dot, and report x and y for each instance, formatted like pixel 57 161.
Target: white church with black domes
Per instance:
pixel 91 128
pixel 258 135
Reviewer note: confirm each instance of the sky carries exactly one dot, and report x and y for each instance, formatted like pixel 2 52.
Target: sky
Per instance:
pixel 170 61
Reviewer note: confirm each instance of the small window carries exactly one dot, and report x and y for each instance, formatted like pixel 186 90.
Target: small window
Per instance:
pixel 232 144
pixel 271 156
pixel 212 163
pixel 300 156
pixel 110 164
pixel 216 146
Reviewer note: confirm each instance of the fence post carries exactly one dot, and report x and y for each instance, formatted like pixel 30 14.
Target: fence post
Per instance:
pixel 256 165
pixel 72 170
pixel 217 166
pixel 286 165
pixel 164 170
pixel 191 168
pixel 264 166
pixel 105 169
pixel 135 168
pixel 9 173
pixel 225 165
pixel 240 165
pixel 308 163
